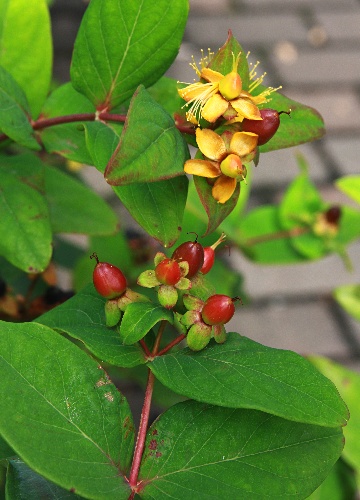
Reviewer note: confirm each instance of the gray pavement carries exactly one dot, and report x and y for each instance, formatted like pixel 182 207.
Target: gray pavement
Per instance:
pixel 312 49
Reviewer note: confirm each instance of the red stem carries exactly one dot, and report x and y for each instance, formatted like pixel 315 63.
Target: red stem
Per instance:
pixel 145 348
pixel 172 344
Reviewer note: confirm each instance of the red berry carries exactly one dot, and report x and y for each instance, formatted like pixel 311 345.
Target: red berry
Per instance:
pixel 209 255
pixel 333 214
pixel 265 128
pixel 108 280
pixel 193 253
pixel 168 272
pixel 218 310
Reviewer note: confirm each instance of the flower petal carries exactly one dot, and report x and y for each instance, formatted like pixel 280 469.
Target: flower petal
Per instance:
pixel 214 108
pixel 210 75
pixel 242 143
pixel 223 188
pixel 192 91
pixel 210 144
pixel 246 108
pixel 203 168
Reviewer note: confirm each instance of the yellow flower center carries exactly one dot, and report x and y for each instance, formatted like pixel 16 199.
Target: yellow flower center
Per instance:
pixel 232 167
pixel 230 86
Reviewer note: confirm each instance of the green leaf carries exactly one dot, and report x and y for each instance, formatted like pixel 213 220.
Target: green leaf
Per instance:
pixel 261 238
pixel 75 208
pixel 150 148
pixel 61 414
pixel 26 48
pixel 139 318
pixel 25 235
pixel 14 111
pixel 165 92
pixel 22 482
pixel 348 384
pixel 350 185
pixel 348 296
pixel 224 59
pixel 157 207
pixel 67 140
pixel 5 450
pixel 216 212
pixel 339 485
pixel 122 44
pixel 303 125
pixel 148 203
pixel 244 374
pixel 206 452
pixel 83 318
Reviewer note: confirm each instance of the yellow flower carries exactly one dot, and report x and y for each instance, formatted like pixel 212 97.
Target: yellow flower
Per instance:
pixel 223 95
pixel 224 157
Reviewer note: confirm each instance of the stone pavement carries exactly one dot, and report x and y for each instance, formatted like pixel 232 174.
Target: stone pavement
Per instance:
pixel 312 49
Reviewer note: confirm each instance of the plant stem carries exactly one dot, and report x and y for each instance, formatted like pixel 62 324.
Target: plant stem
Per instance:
pixel 289 233
pixel 140 440
pixel 172 344
pixel 145 348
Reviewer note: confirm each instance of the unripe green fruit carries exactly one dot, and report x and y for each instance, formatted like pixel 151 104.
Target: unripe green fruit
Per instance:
pixel 218 310
pixel 198 336
pixel 112 312
pixel 230 86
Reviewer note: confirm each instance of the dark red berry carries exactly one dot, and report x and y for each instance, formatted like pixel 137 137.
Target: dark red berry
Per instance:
pixel 191 252
pixel 265 128
pixel 218 310
pixel 108 280
pixel 333 214
pixel 168 272
pixel 209 255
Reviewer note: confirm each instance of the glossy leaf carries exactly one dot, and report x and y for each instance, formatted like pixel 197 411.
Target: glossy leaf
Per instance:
pixel 348 384
pixel 5 450
pixel 77 431
pixel 261 238
pixel 215 211
pixel 339 485
pixel 139 318
pixel 147 202
pixel 348 296
pixel 206 452
pixel 83 318
pixel 150 148
pixel 303 125
pixel 14 111
pixel 67 140
pixel 25 234
pixel 244 374
pixel 25 38
pixel 224 58
pixel 350 185
pixel 121 44
pixel 22 482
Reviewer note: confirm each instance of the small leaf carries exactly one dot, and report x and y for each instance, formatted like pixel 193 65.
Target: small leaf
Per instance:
pixel 150 148
pixel 260 236
pixel 14 111
pixel 83 318
pixel 5 450
pixel 350 185
pixel 26 48
pixel 348 296
pixel 348 384
pixel 138 320
pixel 25 235
pixel 22 482
pixel 303 125
pixel 123 44
pixel 216 212
pixel 340 484
pixel 244 374
pixel 206 452
pixel 61 414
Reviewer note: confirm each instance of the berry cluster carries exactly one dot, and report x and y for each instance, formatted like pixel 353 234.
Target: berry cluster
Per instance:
pixel 203 319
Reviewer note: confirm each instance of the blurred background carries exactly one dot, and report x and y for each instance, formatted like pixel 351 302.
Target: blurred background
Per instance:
pixel 312 49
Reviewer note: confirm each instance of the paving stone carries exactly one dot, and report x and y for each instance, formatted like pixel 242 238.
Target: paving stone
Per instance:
pixel 341 25
pixel 346 152
pixel 321 66
pixel 281 166
pixel 340 110
pixel 319 277
pixel 207 32
pixel 207 7
pixel 303 328
pixel 290 5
